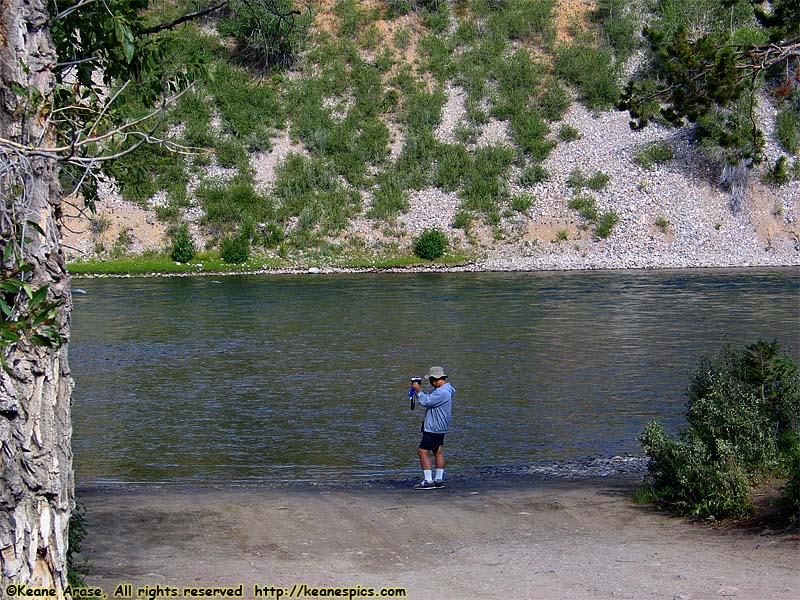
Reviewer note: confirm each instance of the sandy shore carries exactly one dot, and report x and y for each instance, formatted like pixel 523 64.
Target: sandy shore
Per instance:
pixel 493 538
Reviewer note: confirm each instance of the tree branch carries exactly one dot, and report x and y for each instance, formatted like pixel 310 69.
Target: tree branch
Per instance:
pixel 184 18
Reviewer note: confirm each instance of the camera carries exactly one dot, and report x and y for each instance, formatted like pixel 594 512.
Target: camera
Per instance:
pixel 416 380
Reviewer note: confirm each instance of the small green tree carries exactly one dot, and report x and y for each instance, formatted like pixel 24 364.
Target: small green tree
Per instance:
pixel 431 244
pixel 235 250
pixel 271 32
pixel 182 245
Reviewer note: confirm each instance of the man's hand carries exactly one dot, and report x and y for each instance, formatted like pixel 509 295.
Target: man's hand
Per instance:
pixel 416 387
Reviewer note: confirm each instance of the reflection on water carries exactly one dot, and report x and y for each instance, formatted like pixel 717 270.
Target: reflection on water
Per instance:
pixel 294 378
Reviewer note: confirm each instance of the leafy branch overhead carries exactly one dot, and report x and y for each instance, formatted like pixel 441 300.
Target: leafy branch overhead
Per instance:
pixel 711 76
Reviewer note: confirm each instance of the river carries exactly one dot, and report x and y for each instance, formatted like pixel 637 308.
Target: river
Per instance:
pixel 304 378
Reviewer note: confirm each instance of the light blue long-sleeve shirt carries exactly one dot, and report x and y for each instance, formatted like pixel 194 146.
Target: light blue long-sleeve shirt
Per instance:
pixel 438 408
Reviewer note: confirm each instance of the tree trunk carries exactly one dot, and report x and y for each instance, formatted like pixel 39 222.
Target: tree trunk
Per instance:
pixel 36 480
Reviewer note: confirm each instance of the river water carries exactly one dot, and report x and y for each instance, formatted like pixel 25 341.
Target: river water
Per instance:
pixel 276 379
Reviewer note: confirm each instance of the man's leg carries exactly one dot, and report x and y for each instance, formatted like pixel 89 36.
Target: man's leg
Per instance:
pixel 425 463
pixel 439 457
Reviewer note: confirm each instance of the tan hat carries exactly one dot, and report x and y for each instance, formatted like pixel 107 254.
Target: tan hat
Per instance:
pixel 436 373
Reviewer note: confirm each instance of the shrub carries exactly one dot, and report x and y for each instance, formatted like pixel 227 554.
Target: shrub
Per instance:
pixel 485 183
pixel 655 153
pixel 586 206
pixel 791 492
pixel 568 133
pixel 592 70
pixel 620 25
pixel 437 17
pixel 431 244
pixel 554 101
pixel 578 180
pixel 522 202
pixel 598 181
pixel 605 223
pixel 390 198
pixel 743 414
pixel 533 174
pixel 235 250
pixel 529 130
pixel 182 245
pixel 453 165
pixel 463 220
pixel 779 174
pixel 787 129
pixel 524 20
pixel 266 35
pixel 227 204
pixel 690 478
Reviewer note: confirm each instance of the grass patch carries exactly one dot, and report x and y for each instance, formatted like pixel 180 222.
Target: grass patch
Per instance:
pixel 389 198
pixel 533 174
pixel 592 70
pixel 653 154
pixel 307 188
pixel 485 185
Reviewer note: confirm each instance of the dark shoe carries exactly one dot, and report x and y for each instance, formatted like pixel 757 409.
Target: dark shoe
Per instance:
pixel 425 485
pixel 438 483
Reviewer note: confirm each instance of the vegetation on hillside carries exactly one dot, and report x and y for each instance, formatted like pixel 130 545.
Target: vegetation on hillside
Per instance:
pixel 354 80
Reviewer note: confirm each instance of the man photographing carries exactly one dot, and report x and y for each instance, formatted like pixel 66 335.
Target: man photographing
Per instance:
pixel 438 405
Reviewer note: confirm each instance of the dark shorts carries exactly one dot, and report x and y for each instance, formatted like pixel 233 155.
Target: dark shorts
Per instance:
pixel 431 441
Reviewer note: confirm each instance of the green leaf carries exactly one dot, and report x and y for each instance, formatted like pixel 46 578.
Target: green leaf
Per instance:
pixel 128 48
pixel 37 227
pixel 11 336
pixel 27 288
pixel 39 295
pixel 5 308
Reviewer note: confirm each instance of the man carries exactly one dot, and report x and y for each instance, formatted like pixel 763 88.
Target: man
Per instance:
pixel 438 405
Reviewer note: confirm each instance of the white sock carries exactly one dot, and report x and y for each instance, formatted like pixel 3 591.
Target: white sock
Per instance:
pixel 427 474
pixel 439 474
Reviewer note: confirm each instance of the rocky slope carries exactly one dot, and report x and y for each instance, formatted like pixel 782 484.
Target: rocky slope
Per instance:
pixel 673 215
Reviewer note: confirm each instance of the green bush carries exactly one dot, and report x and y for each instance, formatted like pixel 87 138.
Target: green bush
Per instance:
pixel 524 20
pixel 463 220
pixel 485 185
pixel 655 153
pixel 266 35
pixel 743 415
pixel 620 25
pixel 586 206
pixel 529 131
pixel 229 204
pixel 688 477
pixel 598 181
pixel 431 244
pixel 791 492
pixel 592 70
pixel 522 202
pixel 533 174
pixel 390 198
pixel 568 133
pixel 779 174
pixel 182 245
pixel 554 101
pixel 605 223
pixel 235 250
pixel 308 188
pixel 787 129
pixel 453 165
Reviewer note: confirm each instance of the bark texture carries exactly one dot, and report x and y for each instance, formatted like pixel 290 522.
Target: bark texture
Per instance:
pixel 36 480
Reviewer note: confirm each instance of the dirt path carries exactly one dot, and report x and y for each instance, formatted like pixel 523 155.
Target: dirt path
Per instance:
pixel 495 539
